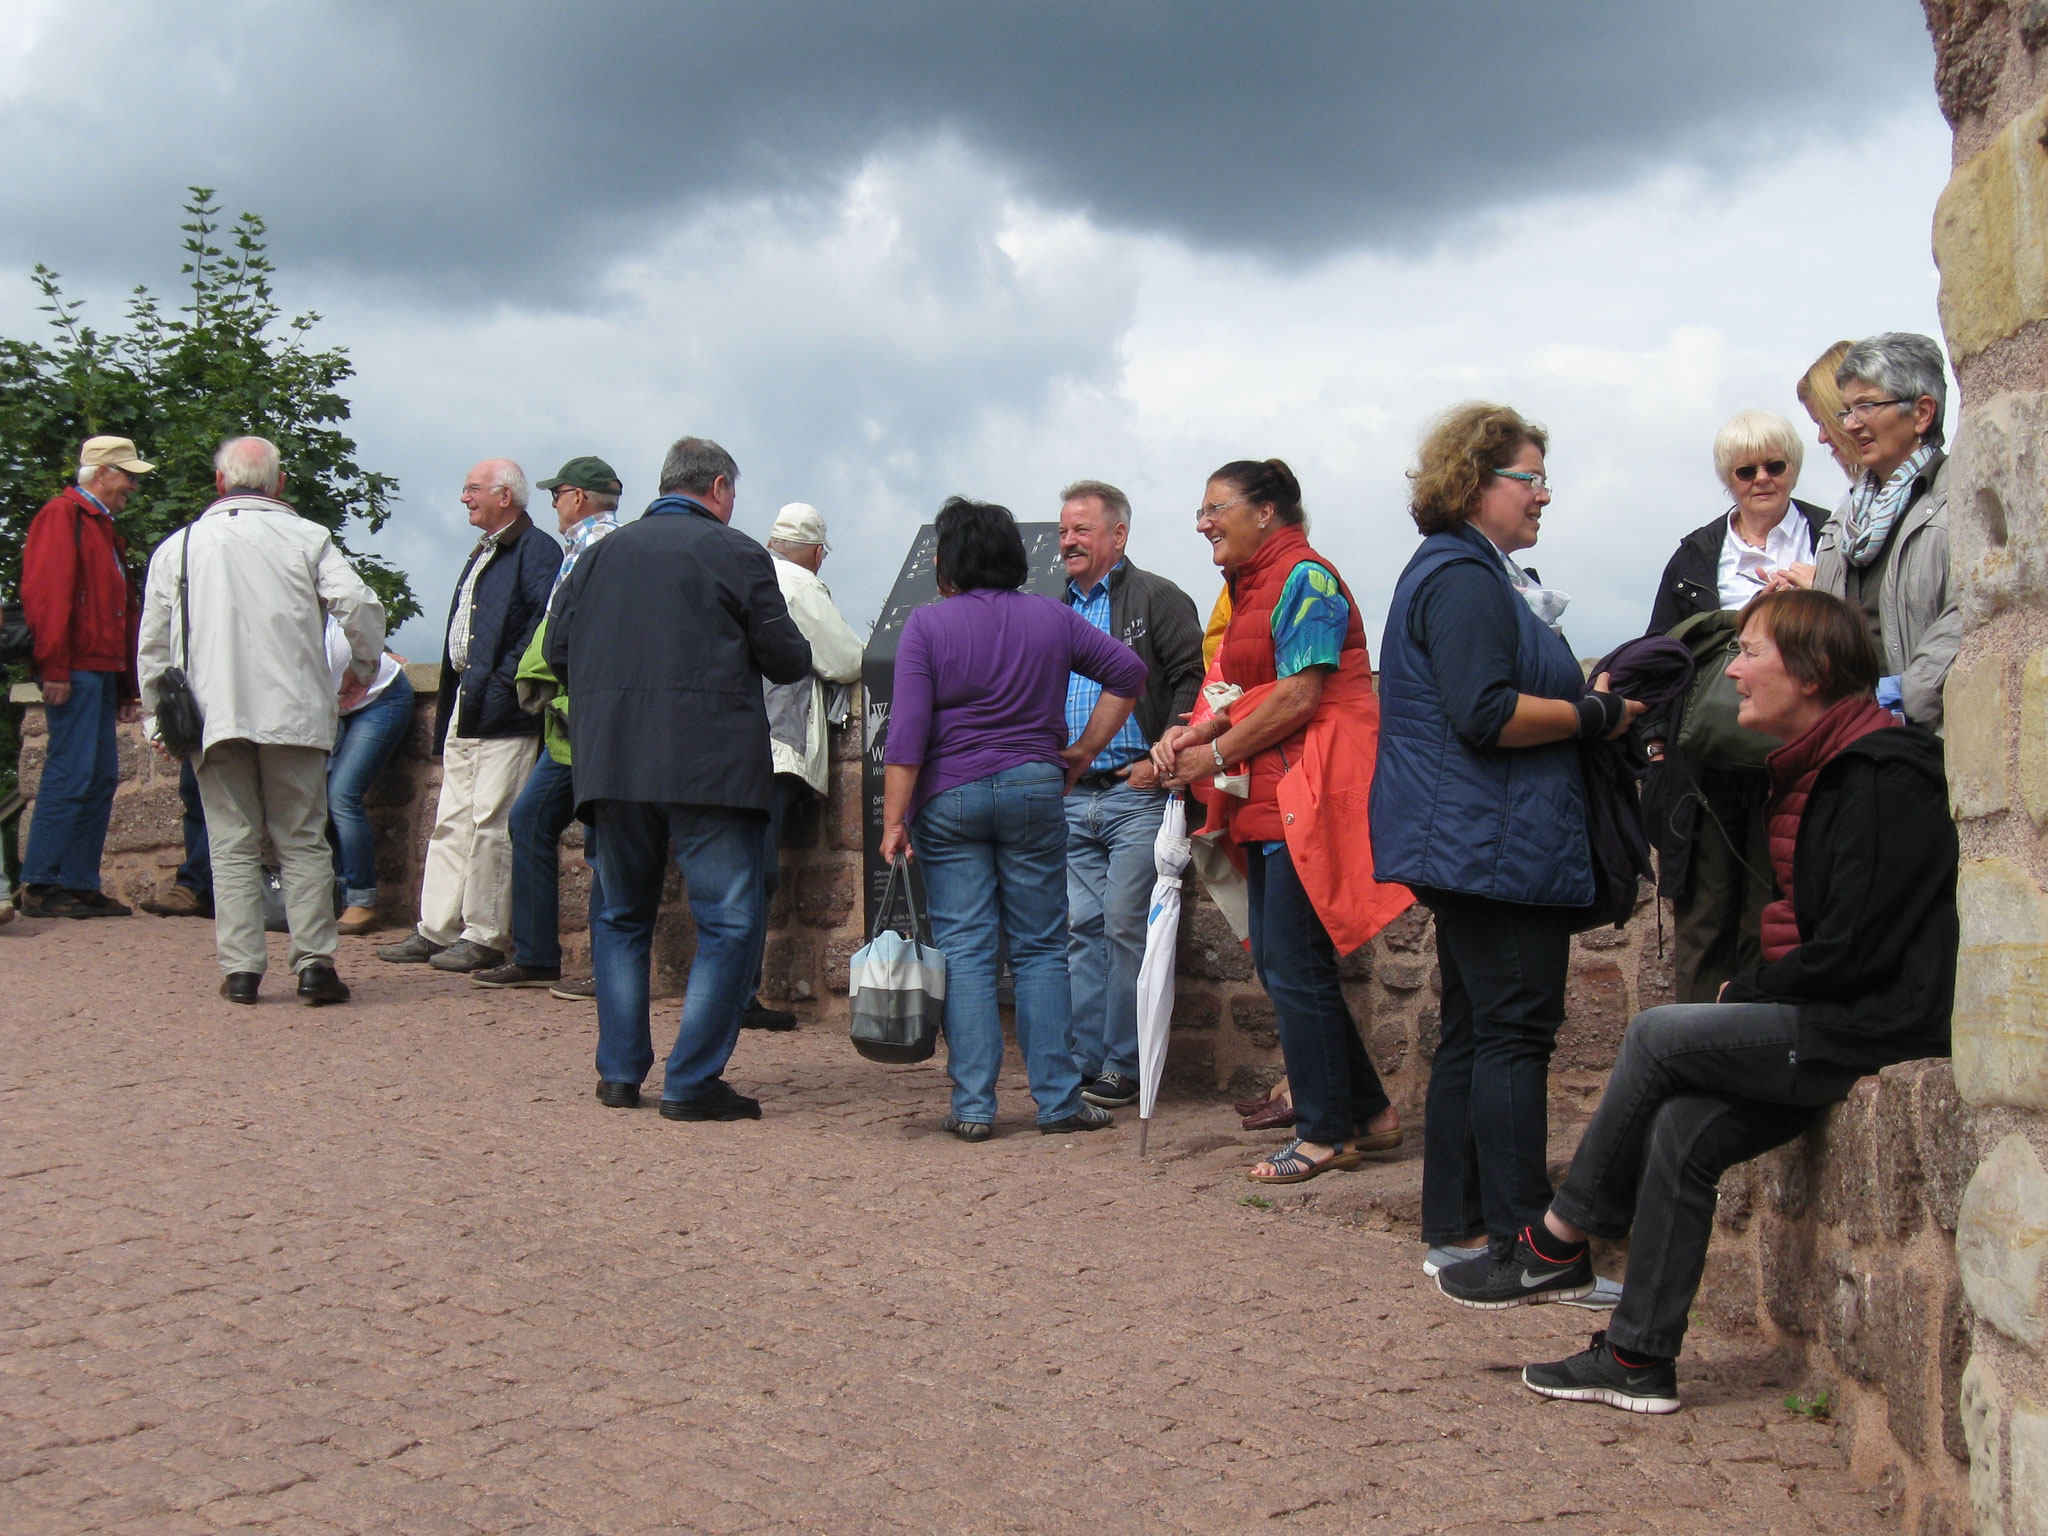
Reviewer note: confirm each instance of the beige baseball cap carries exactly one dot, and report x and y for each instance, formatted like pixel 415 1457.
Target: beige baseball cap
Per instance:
pixel 799 523
pixel 118 452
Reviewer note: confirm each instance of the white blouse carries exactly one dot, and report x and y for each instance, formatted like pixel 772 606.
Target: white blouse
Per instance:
pixel 1743 566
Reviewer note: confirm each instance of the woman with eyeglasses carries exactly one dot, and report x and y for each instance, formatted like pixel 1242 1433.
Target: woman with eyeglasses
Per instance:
pixel 1303 733
pixel 1478 806
pixel 1707 818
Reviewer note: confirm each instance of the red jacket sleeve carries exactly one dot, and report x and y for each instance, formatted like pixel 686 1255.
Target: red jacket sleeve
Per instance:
pixel 49 587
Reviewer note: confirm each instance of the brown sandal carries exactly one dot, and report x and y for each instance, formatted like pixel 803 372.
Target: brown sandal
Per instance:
pixel 1291 1165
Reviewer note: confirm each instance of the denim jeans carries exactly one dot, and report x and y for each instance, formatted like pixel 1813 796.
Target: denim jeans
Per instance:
pixel 196 873
pixel 1329 1076
pixel 1486 1119
pixel 994 853
pixel 540 816
pixel 719 852
pixel 362 747
pixel 1696 1089
pixel 81 768
pixel 790 792
pixel 1110 833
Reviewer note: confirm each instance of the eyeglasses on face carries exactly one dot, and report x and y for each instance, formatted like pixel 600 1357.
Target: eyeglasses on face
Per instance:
pixel 1862 408
pixel 1748 472
pixel 1753 649
pixel 1533 481
pixel 1209 509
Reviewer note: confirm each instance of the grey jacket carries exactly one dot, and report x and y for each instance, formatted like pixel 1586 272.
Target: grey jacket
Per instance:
pixel 1917 612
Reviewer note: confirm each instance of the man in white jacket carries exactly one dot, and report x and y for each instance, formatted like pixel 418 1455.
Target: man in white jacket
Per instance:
pixel 796 711
pixel 259 583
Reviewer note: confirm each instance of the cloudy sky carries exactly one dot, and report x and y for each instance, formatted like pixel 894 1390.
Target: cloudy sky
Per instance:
pixel 892 250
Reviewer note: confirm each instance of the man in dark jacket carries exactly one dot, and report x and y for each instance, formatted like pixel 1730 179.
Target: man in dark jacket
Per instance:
pixel 486 741
pixel 664 634
pixel 79 599
pixel 1113 810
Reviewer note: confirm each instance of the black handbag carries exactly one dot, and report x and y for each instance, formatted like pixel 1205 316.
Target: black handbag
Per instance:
pixel 179 724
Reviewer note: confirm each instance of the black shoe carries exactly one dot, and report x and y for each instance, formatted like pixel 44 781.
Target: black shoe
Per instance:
pixel 240 986
pixel 1112 1090
pixel 1595 1376
pixel 967 1130
pixel 318 984
pixel 722 1102
pixel 582 990
pixel 757 1016
pixel 51 901
pixel 516 975
pixel 1086 1118
pixel 100 904
pixel 619 1095
pixel 1517 1276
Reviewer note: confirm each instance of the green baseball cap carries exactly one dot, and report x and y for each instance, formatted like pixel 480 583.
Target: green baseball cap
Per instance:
pixel 588 473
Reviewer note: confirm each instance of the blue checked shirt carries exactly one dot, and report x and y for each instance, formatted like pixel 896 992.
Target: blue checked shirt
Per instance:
pixel 1128 744
pixel 581 537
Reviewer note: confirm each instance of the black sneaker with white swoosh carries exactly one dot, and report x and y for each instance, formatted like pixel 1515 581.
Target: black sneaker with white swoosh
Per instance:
pixel 1517 1276
pixel 1595 1376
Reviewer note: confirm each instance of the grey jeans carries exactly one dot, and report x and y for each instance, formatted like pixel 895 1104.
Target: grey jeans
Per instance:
pixel 1697 1088
pixel 249 790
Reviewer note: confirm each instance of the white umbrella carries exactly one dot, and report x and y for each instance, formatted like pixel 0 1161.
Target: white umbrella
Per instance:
pixel 1170 854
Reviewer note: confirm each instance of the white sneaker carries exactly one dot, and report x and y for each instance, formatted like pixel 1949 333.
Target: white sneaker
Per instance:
pixel 1443 1255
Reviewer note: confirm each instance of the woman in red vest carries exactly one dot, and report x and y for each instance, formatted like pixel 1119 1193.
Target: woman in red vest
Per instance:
pixel 1858 972
pixel 1307 729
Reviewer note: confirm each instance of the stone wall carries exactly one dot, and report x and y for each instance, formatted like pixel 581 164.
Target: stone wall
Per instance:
pixel 1991 243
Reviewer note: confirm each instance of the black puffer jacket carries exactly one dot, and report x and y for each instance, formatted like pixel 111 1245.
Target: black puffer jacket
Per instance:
pixel 1672 792
pixel 1874 896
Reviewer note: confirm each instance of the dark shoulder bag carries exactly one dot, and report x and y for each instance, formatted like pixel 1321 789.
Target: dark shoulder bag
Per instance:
pixel 179 724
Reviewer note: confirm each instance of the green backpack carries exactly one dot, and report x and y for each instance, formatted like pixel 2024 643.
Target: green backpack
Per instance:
pixel 1707 732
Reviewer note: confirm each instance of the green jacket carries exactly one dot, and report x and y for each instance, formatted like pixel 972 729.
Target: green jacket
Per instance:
pixel 540 694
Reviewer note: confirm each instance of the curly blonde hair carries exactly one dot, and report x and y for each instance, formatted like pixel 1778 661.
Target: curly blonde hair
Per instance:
pixel 1461 450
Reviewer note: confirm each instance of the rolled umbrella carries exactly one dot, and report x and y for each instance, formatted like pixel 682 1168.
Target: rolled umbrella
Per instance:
pixel 1170 853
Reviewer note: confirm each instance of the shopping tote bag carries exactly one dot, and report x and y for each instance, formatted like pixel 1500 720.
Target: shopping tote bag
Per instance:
pixel 897 991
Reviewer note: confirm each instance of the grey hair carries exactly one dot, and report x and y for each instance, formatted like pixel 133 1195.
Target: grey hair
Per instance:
pixel 247 464
pixel 87 473
pixel 1114 501
pixel 601 502
pixel 511 479
pixel 1753 434
pixel 1905 366
pixel 693 463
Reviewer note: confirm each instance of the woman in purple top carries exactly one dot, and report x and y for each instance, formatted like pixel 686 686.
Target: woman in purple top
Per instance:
pixel 978 758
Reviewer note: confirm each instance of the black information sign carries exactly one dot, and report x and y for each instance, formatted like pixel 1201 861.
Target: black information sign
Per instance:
pixel 916 585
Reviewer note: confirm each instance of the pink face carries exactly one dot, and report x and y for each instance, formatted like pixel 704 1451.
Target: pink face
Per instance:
pixel 1510 509
pixel 1773 700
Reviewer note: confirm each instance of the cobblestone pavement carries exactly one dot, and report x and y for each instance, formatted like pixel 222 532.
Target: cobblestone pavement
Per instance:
pixel 390 1267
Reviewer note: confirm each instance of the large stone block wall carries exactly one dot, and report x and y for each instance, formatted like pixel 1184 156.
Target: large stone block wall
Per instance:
pixel 1991 243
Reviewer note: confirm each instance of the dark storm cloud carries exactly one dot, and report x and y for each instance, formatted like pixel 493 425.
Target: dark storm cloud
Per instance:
pixel 501 144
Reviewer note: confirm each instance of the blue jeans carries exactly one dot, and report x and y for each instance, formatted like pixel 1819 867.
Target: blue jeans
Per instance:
pixel 994 853
pixel 81 767
pixel 719 852
pixel 540 816
pixel 1486 1125
pixel 1110 833
pixel 362 747
pixel 196 873
pixel 1329 1075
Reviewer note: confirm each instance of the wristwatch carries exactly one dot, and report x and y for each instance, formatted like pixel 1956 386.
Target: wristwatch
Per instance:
pixel 1217 753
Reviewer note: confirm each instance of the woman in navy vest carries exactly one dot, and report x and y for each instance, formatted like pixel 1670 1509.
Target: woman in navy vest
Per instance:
pixel 1478 807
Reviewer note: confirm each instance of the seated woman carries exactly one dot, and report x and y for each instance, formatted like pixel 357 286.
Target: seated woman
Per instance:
pixel 1858 972
pixel 976 762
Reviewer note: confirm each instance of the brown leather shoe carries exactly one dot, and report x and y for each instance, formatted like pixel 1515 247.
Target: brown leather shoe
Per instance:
pixel 1277 1113
pixel 177 901
pixel 357 920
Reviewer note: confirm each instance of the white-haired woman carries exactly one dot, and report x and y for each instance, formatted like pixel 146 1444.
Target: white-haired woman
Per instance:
pixel 1708 819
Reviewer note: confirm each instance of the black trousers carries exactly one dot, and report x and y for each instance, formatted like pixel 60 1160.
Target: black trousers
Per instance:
pixel 1486 1120
pixel 1697 1088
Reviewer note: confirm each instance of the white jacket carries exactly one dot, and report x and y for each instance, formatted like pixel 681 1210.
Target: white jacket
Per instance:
pixel 262 582
pixel 835 658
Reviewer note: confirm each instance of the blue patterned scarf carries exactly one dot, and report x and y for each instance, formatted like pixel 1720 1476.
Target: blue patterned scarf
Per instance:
pixel 1875 504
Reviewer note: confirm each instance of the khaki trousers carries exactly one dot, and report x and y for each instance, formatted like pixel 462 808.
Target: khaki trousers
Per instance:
pixel 247 790
pixel 466 890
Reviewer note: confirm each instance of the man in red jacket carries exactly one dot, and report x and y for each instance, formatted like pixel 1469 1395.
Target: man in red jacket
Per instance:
pixel 79 600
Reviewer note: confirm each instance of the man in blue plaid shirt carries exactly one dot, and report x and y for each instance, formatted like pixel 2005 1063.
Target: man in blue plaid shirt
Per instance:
pixel 1113 812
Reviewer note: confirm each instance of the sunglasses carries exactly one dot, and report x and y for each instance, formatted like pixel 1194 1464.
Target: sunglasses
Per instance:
pixel 1748 472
